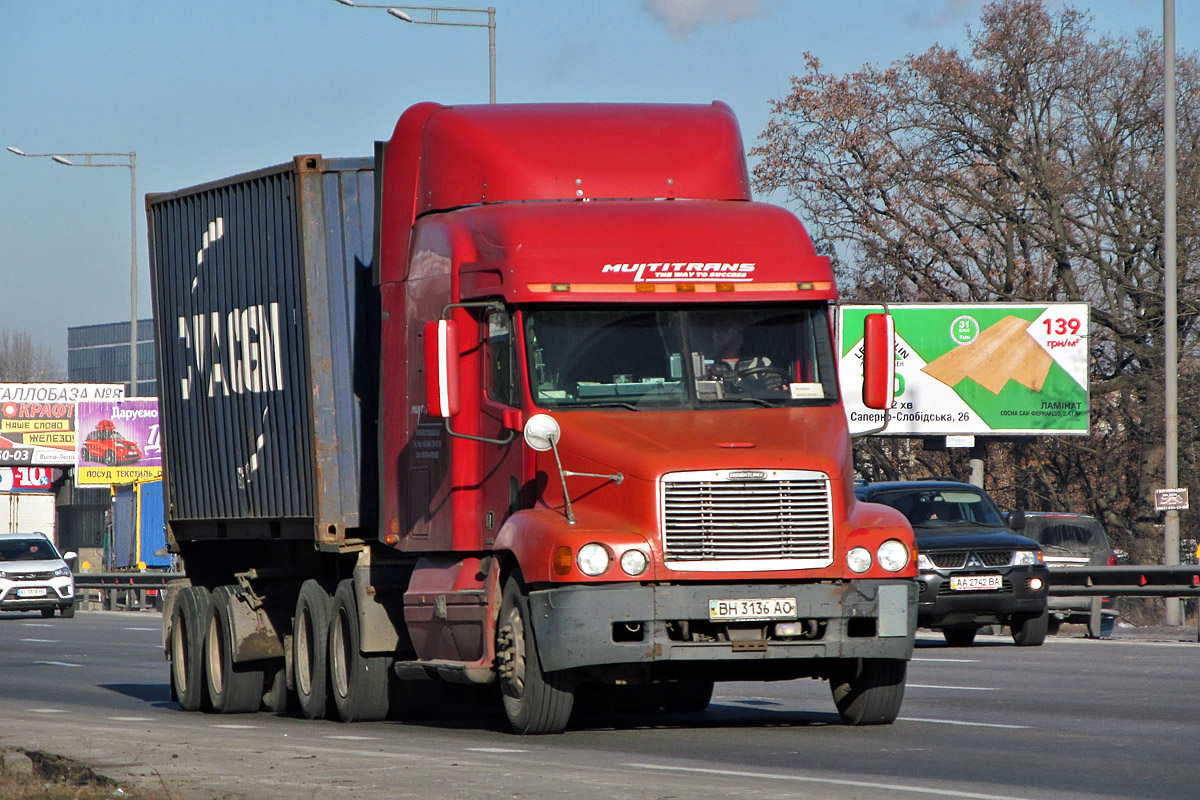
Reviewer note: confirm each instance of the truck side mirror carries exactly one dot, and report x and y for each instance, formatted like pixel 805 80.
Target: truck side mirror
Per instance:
pixel 879 360
pixel 441 368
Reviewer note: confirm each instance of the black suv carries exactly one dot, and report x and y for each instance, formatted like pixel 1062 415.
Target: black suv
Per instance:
pixel 974 571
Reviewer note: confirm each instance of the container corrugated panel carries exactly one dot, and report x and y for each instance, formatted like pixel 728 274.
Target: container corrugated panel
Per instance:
pixel 262 289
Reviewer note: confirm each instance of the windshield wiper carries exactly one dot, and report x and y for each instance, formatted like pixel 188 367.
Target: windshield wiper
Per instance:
pixel 746 399
pixel 607 404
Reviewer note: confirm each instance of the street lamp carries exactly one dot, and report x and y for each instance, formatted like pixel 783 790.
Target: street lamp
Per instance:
pixel 112 160
pixel 399 13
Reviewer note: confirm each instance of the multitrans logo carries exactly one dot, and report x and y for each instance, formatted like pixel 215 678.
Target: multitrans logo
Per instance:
pixel 672 271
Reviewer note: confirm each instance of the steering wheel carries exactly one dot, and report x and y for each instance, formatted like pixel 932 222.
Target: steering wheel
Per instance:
pixel 755 372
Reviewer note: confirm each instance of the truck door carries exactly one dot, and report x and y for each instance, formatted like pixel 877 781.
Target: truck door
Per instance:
pixel 501 462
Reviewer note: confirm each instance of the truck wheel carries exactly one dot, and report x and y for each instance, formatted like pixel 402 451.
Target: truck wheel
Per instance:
pixel 310 649
pixel 359 682
pixel 1030 631
pixel 960 635
pixel 868 691
pixel 233 688
pixel 535 701
pixel 189 621
pixel 687 696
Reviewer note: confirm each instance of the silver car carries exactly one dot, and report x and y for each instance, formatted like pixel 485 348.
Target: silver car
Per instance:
pixel 34 577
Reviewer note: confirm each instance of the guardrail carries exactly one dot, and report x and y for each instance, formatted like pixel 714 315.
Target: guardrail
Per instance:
pixel 1125 580
pixel 128 590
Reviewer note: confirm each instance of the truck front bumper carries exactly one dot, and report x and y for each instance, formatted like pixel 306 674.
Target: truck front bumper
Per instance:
pixel 628 624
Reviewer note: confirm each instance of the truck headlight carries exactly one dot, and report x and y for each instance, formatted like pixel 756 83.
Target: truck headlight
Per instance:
pixel 634 562
pixel 1027 558
pixel 892 555
pixel 592 559
pixel 858 559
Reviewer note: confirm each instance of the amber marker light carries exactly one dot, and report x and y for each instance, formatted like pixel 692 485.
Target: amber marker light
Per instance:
pixel 685 287
pixel 724 287
pixel 562 560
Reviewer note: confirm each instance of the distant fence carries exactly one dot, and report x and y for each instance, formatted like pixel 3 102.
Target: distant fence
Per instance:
pixel 1125 580
pixel 133 591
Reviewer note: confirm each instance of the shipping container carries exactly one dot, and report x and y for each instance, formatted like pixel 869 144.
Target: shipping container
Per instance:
pixel 268 333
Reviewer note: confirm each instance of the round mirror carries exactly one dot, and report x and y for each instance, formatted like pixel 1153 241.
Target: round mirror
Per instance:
pixel 542 432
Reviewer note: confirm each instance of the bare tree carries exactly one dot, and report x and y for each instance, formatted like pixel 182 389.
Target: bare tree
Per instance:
pixel 1027 169
pixel 23 361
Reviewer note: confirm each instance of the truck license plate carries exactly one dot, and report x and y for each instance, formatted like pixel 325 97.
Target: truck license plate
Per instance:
pixel 743 610
pixel 38 591
pixel 961 583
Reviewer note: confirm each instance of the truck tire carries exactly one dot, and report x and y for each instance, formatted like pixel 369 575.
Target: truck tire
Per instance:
pixel 868 691
pixel 960 635
pixel 1030 631
pixel 233 688
pixel 310 649
pixel 535 702
pixel 359 682
pixel 189 621
pixel 687 695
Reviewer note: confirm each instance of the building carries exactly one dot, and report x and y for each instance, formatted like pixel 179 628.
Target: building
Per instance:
pixel 100 354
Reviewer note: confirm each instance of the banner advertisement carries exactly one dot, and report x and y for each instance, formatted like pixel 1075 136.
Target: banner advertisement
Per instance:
pixel 27 479
pixel 37 420
pixel 118 441
pixel 997 369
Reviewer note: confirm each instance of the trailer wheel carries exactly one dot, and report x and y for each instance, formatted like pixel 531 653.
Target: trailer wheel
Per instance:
pixel 233 688
pixel 310 649
pixel 359 682
pixel 189 621
pixel 535 701
pixel 868 691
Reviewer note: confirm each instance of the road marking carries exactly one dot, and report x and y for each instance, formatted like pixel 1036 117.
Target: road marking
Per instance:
pixel 950 660
pixel 42 641
pixel 955 688
pixel 235 726
pixel 143 629
pixel 969 724
pixel 889 787
pixel 130 719
pixel 38 625
pixel 57 664
pixel 47 711
pixel 350 738
pixel 496 750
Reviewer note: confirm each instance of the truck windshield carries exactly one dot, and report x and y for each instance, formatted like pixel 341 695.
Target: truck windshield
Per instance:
pixel 647 357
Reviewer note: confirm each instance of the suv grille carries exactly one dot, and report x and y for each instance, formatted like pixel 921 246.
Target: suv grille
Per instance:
pixel 31 576
pixel 748 516
pixel 958 559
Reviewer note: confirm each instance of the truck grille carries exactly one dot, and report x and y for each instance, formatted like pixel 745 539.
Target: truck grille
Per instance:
pixel 747 520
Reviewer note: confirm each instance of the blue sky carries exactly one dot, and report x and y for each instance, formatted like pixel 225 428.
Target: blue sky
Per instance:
pixel 208 88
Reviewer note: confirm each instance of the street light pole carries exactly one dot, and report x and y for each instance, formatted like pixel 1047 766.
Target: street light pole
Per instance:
pixel 1173 615
pixel 400 13
pixel 109 160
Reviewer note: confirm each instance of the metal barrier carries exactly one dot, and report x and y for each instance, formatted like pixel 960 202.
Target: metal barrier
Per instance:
pixel 133 591
pixel 1125 580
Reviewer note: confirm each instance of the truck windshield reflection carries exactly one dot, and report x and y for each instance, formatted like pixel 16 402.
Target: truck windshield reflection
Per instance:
pixel 671 357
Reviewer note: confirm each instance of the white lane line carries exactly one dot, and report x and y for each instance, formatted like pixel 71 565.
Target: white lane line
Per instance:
pixel 954 688
pixel 234 726
pixel 57 664
pixel 41 641
pixel 496 750
pixel 130 719
pixel 969 724
pixel 143 629
pixel 889 787
pixel 350 738
pixel 950 660
pixel 38 625
pixel 47 711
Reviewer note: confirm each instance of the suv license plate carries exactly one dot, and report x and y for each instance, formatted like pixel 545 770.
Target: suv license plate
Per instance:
pixel 38 591
pixel 745 610
pixel 961 583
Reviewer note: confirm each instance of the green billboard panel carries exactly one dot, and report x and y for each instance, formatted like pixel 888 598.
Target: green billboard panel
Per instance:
pixel 998 369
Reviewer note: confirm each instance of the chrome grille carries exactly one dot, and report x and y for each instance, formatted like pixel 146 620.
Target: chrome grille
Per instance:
pixel 758 515
pixel 30 576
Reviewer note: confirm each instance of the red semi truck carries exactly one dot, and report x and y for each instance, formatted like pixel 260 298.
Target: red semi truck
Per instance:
pixel 536 397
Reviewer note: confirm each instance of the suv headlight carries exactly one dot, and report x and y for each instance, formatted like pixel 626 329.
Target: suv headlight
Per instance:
pixel 62 572
pixel 892 555
pixel 1027 558
pixel 925 563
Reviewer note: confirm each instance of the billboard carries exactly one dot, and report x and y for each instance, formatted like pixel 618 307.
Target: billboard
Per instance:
pixel 118 441
pixel 27 479
pixel 37 420
pixel 996 369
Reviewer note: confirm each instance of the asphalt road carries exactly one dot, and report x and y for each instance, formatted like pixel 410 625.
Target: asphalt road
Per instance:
pixel 1073 719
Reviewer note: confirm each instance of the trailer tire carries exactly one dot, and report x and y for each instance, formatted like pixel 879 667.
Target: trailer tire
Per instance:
pixel 359 682
pixel 233 688
pixel 189 621
pixel 535 702
pixel 310 649
pixel 868 691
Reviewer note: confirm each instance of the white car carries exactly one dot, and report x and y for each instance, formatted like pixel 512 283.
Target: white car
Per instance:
pixel 34 577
